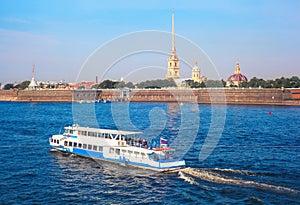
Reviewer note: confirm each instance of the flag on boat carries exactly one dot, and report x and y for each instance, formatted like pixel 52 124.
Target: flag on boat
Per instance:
pixel 163 142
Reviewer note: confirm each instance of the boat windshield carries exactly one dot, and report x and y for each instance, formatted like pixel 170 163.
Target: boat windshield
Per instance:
pixel 68 131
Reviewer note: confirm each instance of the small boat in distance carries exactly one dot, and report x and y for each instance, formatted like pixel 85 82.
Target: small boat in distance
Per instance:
pixel 103 101
pixel 124 147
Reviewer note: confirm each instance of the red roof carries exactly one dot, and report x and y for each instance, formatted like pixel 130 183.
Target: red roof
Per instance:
pixel 237 78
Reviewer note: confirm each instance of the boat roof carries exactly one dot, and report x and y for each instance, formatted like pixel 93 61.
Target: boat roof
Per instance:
pixel 90 129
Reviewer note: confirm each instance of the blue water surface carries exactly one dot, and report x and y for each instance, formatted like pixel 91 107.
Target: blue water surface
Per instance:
pixel 256 159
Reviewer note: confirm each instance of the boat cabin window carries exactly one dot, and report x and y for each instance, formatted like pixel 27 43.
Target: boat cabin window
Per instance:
pixel 66 143
pixel 118 151
pixel 136 154
pixel 57 141
pixel 54 141
pixel 51 139
pixel 84 146
pixel 111 150
pixel 70 144
pixel 71 132
pixel 100 149
pixel 83 133
pixel 129 152
pixel 123 150
pixel 92 134
pixel 89 146
pixel 75 144
pixel 95 148
pixel 143 155
pixel 79 145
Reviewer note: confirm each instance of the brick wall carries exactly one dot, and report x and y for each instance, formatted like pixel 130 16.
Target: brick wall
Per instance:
pixel 201 96
pixel 8 95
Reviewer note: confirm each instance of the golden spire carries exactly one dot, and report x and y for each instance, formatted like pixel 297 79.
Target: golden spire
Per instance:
pixel 173 33
pixel 237 67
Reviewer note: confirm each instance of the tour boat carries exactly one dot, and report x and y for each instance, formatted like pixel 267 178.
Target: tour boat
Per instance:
pixel 124 147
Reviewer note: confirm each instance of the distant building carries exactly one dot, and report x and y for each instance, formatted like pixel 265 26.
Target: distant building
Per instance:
pixel 237 78
pixel 83 85
pixel 173 66
pixel 173 61
pixel 33 85
pixel 196 76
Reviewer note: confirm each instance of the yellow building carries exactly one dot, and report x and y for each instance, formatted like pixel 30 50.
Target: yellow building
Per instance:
pixel 173 61
pixel 196 73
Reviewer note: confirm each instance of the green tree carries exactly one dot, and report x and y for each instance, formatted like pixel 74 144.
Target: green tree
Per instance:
pixel 81 87
pixel 129 85
pixel 95 86
pixel 295 82
pixel 8 86
pixel 108 84
pixel 23 85
pixel 244 85
pixel 159 83
pixel 214 83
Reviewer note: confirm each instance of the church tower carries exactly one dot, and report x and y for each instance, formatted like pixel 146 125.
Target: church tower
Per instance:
pixel 173 61
pixel 237 78
pixel 196 73
pixel 33 85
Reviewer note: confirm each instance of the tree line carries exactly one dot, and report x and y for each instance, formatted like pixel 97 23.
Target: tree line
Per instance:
pixel 159 83
pixel 293 82
pixel 20 86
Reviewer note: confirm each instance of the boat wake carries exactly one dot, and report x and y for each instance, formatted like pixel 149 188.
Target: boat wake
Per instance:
pixel 217 178
pixel 187 178
pixel 234 171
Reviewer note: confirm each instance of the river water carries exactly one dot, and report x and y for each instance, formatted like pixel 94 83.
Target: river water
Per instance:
pixel 238 154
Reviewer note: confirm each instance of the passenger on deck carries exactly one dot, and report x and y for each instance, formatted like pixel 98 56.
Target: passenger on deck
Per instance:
pixel 131 142
pixel 150 145
pixel 139 142
pixel 143 143
pixel 154 144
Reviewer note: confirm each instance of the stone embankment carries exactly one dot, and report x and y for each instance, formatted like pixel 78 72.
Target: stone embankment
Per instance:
pixel 200 96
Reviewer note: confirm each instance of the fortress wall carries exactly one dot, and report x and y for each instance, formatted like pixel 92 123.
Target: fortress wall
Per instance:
pixel 110 94
pixel 86 95
pixel 217 96
pixel 8 95
pixel 254 96
pixel 295 94
pixel 44 96
pixel 171 95
pixel 201 96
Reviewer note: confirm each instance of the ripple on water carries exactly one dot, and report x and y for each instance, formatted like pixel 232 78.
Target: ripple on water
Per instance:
pixel 258 155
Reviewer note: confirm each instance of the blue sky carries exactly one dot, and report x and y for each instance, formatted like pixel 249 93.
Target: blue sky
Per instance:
pixel 58 36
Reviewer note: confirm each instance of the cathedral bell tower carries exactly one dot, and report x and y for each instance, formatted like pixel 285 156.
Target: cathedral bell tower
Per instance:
pixel 196 73
pixel 173 61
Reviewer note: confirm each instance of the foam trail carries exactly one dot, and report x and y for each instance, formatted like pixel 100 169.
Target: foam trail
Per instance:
pixel 234 171
pixel 187 179
pixel 216 178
